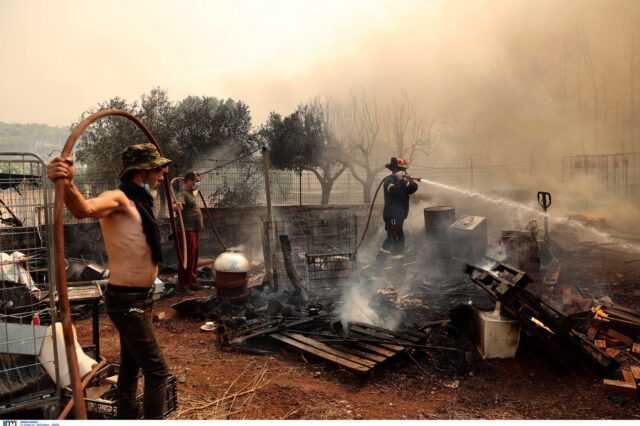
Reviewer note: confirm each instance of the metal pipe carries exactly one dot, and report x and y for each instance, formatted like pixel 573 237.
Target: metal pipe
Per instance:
pixel 80 409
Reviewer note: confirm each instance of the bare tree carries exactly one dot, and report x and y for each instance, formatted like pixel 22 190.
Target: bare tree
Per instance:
pixel 356 125
pixel 407 131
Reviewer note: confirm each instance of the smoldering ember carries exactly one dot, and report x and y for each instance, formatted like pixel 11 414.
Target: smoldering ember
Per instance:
pixel 427 210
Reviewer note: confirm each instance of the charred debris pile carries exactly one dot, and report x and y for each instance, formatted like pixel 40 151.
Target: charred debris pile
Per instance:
pixel 450 288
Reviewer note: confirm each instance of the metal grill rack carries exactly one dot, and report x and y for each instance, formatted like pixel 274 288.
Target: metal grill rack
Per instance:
pixel 27 287
pixel 323 248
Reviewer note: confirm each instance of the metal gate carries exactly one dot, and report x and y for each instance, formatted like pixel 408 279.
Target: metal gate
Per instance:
pixel 28 352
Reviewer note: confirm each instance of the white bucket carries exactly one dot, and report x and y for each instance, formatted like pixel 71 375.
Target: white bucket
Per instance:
pixel 46 357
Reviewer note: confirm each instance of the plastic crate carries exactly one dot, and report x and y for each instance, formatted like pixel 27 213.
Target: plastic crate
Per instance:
pixel 106 407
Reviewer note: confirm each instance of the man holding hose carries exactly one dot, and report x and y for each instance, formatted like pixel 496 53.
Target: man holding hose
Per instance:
pixel 397 188
pixel 132 240
pixel 192 218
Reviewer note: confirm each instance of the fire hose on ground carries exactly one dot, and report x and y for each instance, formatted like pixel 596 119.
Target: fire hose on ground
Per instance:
pixel 79 406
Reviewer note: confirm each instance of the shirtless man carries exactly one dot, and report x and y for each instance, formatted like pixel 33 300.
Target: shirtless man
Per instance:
pixel 132 239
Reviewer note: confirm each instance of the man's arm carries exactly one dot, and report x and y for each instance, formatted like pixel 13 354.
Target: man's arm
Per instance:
pixel 412 186
pixel 81 208
pixel 101 206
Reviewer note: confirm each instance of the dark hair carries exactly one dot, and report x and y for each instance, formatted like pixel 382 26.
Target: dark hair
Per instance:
pixel 128 175
pixel 190 176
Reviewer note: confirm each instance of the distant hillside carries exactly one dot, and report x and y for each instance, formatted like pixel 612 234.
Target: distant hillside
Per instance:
pixel 39 139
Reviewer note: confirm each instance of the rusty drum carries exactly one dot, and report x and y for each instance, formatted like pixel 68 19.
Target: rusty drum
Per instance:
pixel 232 269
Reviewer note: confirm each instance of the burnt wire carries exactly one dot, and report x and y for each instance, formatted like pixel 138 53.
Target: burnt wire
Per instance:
pixel 231 161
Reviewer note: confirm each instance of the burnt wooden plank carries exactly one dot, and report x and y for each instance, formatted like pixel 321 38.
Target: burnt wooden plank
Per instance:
pixel 270 328
pixel 362 354
pixel 377 349
pixel 326 348
pixel 621 388
pixel 602 344
pixel 409 335
pixel 628 377
pixel 621 337
pixel 635 370
pixel 380 335
pixel 319 353
pixel 613 353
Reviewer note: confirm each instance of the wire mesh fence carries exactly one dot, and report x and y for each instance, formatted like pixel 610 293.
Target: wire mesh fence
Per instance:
pixel 28 349
pixel 242 184
pixel 619 173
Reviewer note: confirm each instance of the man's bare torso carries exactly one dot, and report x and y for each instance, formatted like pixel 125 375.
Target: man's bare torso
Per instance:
pixel 130 260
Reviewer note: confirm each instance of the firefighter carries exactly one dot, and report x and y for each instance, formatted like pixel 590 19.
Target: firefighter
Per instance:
pixel 397 189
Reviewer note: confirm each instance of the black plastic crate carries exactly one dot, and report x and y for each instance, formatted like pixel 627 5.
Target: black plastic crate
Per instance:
pixel 107 406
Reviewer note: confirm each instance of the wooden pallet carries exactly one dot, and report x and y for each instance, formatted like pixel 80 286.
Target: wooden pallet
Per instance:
pixel 364 348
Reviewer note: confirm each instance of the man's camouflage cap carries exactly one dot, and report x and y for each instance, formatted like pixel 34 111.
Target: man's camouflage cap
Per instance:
pixel 143 156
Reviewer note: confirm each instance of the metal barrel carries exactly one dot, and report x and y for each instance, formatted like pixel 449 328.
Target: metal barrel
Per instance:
pixel 436 221
pixel 438 218
pixel 232 286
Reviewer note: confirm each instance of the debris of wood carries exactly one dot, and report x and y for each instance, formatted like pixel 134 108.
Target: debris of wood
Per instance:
pixel 613 353
pixel 96 392
pixel 635 370
pixel 628 377
pixel 600 343
pixel 567 296
pixel 290 267
pixel 619 336
pixel 635 348
pixel 621 388
pixel 555 331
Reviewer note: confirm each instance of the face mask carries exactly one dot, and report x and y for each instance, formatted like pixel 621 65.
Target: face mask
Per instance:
pixel 197 185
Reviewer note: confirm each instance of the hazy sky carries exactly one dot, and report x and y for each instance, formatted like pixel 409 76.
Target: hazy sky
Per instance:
pixel 502 62
pixel 62 57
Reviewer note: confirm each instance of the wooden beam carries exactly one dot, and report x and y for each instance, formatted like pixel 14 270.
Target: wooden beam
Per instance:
pixel 635 370
pixel 377 349
pixel 390 338
pixel 362 354
pixel 409 335
pixel 621 388
pixel 628 377
pixel 321 354
pixel 333 351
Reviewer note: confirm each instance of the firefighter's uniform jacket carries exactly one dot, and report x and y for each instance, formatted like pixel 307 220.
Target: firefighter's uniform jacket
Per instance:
pixel 396 210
